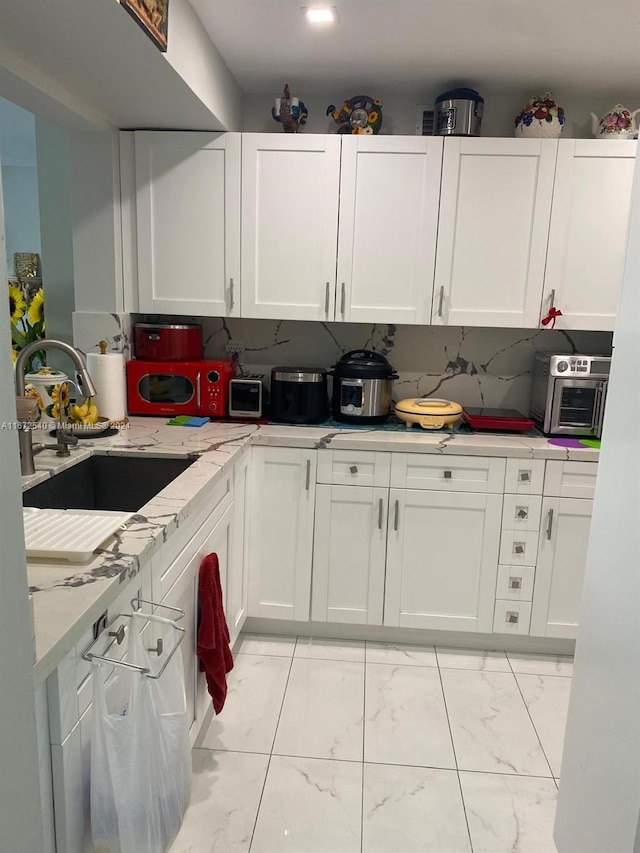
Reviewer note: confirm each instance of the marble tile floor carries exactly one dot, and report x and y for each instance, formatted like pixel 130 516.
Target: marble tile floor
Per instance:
pixel 333 746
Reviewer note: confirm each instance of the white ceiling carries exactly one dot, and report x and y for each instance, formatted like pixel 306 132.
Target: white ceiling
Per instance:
pixel 587 46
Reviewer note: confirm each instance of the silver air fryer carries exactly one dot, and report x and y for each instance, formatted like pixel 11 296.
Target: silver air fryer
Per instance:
pixel 458 113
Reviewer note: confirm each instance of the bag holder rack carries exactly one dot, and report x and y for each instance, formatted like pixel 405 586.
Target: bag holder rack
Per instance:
pixel 118 637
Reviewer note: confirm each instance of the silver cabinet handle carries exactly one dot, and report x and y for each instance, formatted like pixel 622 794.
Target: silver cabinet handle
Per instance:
pixel 396 515
pixel 198 374
pixel 549 524
pixel 440 303
pixel 326 301
pixel 380 504
pixel 308 477
pixel 232 301
pixel 342 300
pixel 552 300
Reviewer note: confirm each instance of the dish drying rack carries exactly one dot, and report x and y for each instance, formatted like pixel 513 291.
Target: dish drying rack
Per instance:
pixel 119 635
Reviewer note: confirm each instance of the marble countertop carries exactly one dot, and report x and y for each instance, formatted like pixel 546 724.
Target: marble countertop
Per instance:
pixel 67 599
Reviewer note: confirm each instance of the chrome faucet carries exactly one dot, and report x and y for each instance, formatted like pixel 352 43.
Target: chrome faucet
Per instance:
pixel 83 382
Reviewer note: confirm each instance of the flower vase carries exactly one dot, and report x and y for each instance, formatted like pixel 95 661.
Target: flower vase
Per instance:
pixel 542 118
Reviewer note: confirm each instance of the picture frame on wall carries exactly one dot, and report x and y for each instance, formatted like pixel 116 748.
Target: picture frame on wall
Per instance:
pixel 152 16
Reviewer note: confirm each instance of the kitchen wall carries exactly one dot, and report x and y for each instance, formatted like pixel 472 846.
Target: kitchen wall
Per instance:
pixel 399 108
pixel 19 181
pixel 475 366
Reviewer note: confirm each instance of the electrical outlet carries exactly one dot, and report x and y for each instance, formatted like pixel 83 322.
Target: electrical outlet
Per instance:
pixel 235 348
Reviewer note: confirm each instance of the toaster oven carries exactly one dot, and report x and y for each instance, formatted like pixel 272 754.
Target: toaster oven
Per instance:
pixel 179 387
pixel 568 393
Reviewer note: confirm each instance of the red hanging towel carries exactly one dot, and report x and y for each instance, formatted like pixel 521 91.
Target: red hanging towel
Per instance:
pixel 213 634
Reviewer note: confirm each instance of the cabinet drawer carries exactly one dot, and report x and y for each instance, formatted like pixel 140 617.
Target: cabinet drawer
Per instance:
pixel 190 526
pixel 521 513
pixel 511 617
pixel 515 583
pixel 451 474
pixel 353 468
pixel 171 572
pixel 518 548
pixel 570 479
pixel 524 476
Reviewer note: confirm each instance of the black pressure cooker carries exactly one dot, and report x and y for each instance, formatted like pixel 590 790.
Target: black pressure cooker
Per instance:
pixel 362 382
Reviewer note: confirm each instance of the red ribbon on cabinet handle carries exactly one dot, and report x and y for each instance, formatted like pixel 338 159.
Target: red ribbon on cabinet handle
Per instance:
pixel 551 317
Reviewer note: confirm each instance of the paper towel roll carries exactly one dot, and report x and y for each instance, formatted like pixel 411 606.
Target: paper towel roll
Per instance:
pixel 109 376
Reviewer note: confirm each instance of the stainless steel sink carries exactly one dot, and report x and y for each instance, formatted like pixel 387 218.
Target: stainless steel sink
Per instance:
pixel 123 483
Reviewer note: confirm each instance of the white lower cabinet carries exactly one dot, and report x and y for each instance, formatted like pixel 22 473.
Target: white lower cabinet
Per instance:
pixel 237 580
pixel 562 554
pixel 215 536
pixel 350 544
pixel 442 559
pixel 281 546
pixel 171 576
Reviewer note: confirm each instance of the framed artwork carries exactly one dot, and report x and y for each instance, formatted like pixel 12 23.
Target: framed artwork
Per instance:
pixel 152 16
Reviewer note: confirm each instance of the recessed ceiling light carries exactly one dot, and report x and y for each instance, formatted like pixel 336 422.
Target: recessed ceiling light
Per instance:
pixel 320 14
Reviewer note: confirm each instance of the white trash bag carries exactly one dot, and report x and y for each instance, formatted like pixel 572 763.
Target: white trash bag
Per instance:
pixel 140 751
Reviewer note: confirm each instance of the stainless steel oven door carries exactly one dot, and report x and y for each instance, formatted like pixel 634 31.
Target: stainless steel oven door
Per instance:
pixel 577 407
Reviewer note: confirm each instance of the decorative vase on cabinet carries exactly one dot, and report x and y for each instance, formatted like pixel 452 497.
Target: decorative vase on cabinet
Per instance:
pixel 542 118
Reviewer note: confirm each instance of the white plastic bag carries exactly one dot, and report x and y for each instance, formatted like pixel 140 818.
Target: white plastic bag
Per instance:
pixel 140 752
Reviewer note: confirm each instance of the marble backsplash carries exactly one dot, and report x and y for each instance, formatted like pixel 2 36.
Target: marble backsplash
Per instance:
pixel 474 366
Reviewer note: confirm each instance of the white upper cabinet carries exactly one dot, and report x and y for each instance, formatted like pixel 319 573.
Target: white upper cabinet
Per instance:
pixel 188 222
pixel 495 205
pixel 290 186
pixel 389 195
pixel 588 233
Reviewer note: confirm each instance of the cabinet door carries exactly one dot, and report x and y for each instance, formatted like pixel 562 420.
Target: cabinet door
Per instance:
pixel 237 584
pixel 281 544
pixel 389 196
pixel 188 222
pixel 290 186
pixel 220 542
pixel 350 543
pixel 588 232
pixel 70 768
pixel 184 594
pixel 436 577
pixel 562 555
pixel 492 234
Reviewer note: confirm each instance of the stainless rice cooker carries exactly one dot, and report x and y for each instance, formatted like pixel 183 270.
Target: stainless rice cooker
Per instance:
pixel 362 382
pixel 458 112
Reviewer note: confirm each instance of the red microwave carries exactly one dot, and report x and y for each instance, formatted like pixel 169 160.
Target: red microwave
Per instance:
pixel 179 387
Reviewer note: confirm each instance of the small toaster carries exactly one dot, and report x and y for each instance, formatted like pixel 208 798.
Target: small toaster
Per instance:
pixel 245 398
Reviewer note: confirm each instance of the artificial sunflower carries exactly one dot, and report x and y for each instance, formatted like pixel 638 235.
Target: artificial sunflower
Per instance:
pixel 31 392
pixel 17 303
pixel 60 396
pixel 35 314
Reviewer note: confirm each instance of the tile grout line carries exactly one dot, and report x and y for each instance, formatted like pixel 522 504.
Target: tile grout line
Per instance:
pixel 453 747
pixel 266 775
pixel 532 723
pixel 375 763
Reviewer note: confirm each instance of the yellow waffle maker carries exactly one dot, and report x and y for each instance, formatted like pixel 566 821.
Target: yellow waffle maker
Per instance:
pixel 428 412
